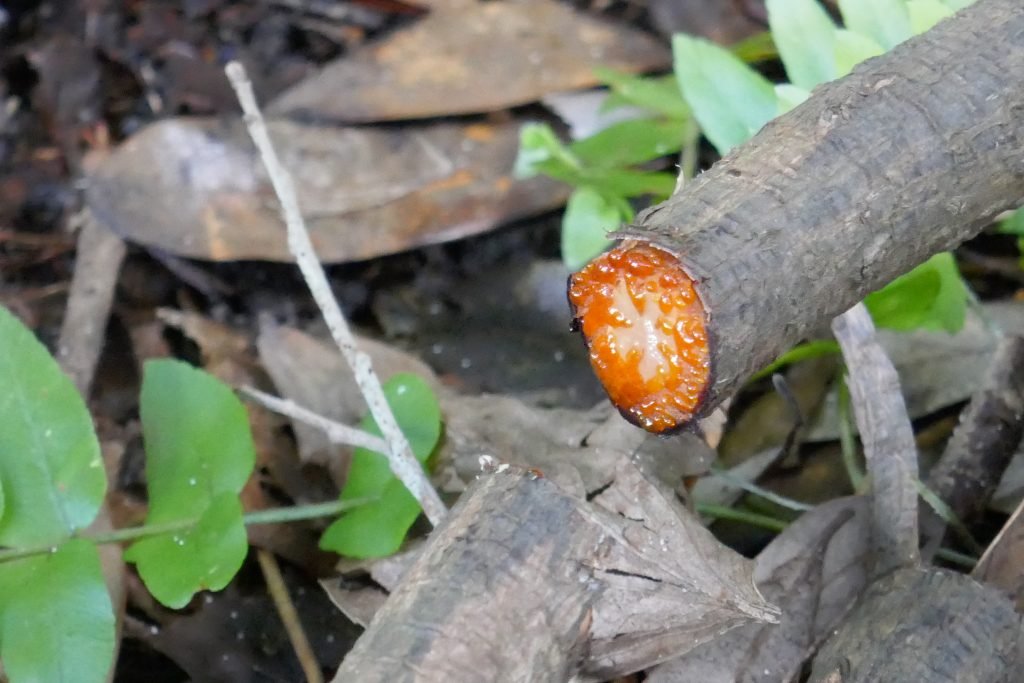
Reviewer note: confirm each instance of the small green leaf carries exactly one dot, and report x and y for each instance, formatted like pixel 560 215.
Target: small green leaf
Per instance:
pixel 199 451
pixel 925 14
pixel 629 143
pixel 50 461
pixel 377 528
pixel 585 225
pixel 538 145
pixel 931 296
pixel 207 556
pixel 659 94
pixel 806 38
pixel 759 47
pixel 852 49
pixel 887 22
pixel 730 100
pixel 790 96
pixel 56 620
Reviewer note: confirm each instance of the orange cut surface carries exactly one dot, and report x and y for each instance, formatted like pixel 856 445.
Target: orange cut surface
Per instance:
pixel 646 331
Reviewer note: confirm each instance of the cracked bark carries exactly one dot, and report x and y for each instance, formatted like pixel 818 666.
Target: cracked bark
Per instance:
pixel 909 155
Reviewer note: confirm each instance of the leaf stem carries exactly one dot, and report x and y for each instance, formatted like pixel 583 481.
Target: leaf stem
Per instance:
pixel 753 518
pixel 294 513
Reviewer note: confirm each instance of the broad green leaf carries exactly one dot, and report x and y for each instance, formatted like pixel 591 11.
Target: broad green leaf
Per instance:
pixel 419 416
pixel 198 450
pixel 806 38
pixel 852 49
pixel 56 620
pixel 659 94
pixel 377 528
pixel 538 145
pixel 790 96
pixel 206 556
pixel 50 461
pixel 629 143
pixel 931 296
pixel 926 13
pixel 811 349
pixel 585 225
pixel 730 100
pixel 957 5
pixel 887 22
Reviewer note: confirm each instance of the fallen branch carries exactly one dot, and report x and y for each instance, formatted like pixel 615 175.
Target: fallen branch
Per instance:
pixel 400 456
pixel 911 154
pixel 594 589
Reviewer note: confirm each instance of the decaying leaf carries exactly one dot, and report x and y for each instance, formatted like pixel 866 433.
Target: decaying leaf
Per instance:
pixel 814 570
pixel 669 584
pixel 472 57
pixel 196 188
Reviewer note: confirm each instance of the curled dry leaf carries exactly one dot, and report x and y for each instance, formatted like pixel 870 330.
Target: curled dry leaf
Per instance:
pixel 669 585
pixel 814 570
pixel 472 57
pixel 195 187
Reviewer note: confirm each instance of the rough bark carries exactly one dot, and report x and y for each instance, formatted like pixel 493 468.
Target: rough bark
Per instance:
pixel 909 155
pixel 924 626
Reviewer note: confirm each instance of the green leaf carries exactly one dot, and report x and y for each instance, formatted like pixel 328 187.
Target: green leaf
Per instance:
pixel 377 528
pixel 852 49
pixel 50 461
pixel 588 218
pixel 806 38
pixel 790 96
pixel 659 94
pixel 627 182
pixel 730 100
pixel 931 296
pixel 56 620
pixel 629 143
pixel 759 47
pixel 925 14
pixel 198 448
pixel 1012 224
pixel 206 556
pixel 538 145
pixel 887 22
pixel 957 5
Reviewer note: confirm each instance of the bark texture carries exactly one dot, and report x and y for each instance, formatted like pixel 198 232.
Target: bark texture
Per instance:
pixel 909 155
pixel 924 626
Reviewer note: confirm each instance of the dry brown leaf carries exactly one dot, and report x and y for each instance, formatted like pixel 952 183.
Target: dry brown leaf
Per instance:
pixel 814 570
pixel 670 585
pixel 195 187
pixel 472 57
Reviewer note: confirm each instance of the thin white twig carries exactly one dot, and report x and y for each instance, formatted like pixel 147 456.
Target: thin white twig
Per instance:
pixel 337 432
pixel 400 456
